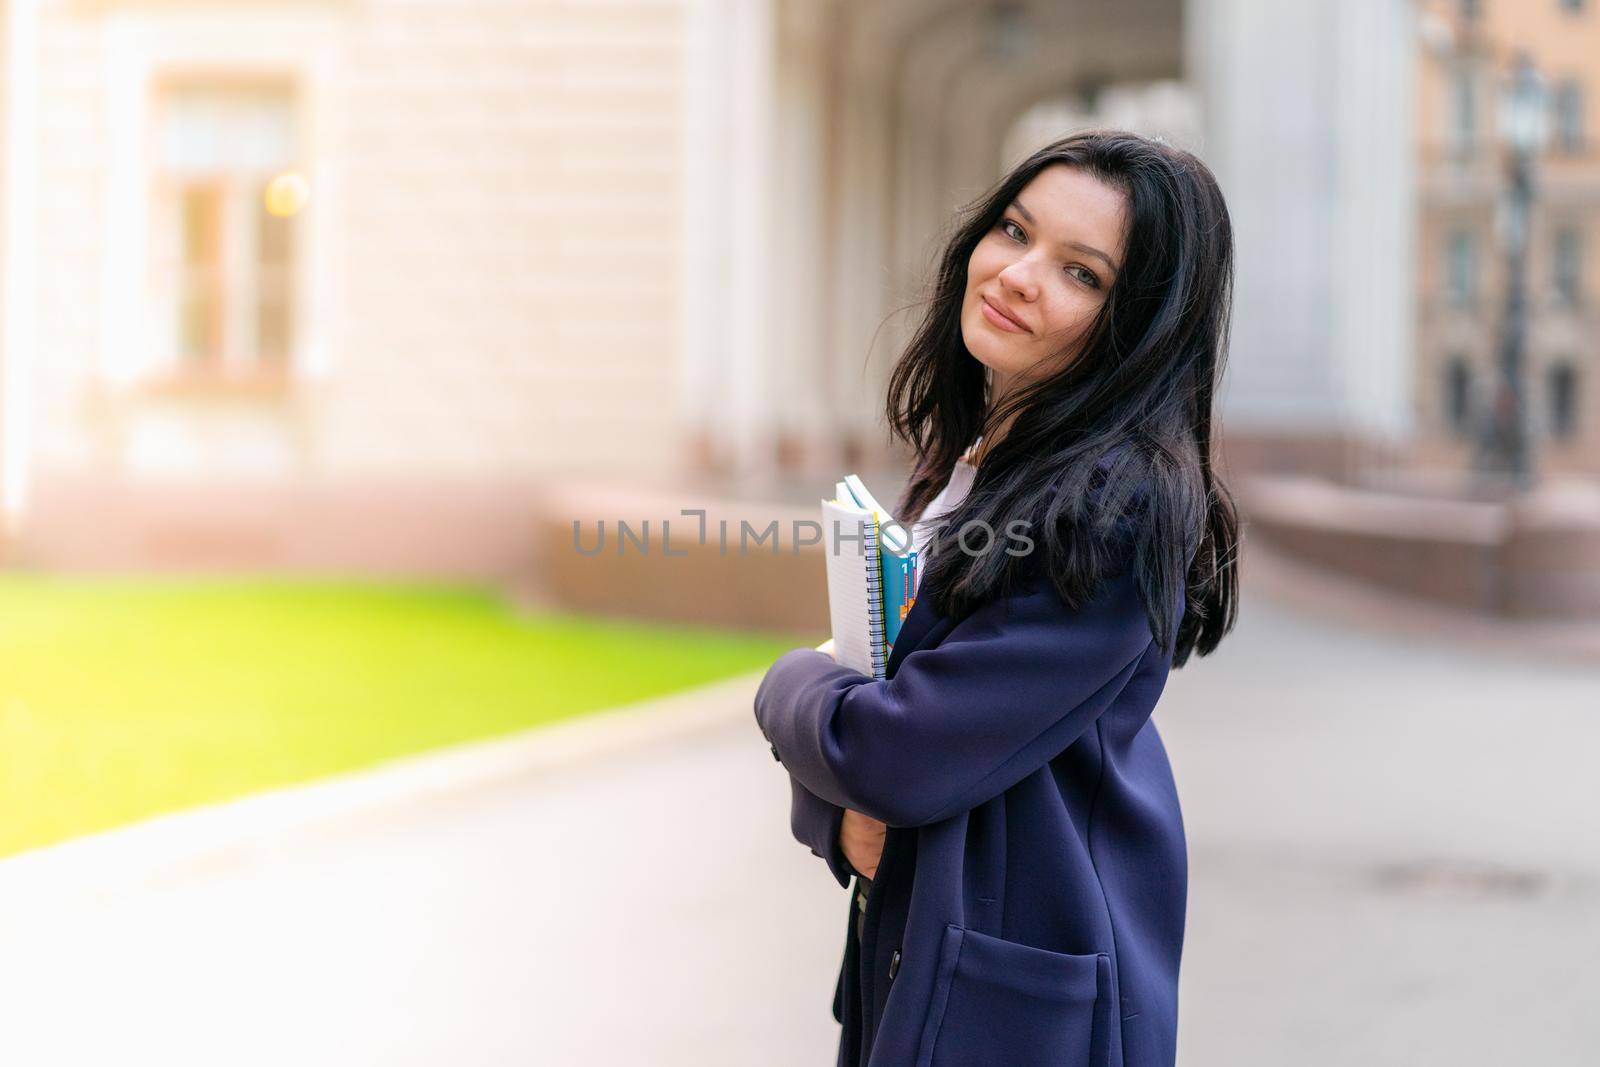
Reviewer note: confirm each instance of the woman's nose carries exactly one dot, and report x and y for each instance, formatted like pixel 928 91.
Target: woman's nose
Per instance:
pixel 1019 279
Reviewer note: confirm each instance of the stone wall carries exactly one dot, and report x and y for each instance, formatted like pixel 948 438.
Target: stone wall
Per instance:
pixel 1533 557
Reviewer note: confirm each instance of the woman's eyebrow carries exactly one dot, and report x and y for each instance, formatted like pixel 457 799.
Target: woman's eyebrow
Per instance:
pixel 1025 213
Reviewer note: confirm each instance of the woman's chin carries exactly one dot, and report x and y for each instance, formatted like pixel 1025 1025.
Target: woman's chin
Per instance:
pixel 991 360
pixel 978 346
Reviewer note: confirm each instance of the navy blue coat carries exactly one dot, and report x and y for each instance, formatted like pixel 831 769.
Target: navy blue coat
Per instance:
pixel 1029 904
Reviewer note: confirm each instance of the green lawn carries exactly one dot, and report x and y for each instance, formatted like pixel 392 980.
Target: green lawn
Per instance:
pixel 124 698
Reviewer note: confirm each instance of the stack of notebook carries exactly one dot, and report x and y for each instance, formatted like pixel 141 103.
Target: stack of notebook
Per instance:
pixel 872 577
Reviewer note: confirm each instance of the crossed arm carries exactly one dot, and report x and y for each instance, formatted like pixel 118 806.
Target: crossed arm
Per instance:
pixel 1008 689
pixel 819 825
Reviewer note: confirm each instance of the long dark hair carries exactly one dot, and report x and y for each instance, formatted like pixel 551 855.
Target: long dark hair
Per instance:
pixel 1112 452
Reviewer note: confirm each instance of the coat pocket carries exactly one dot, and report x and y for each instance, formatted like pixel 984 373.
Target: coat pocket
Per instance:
pixel 997 1001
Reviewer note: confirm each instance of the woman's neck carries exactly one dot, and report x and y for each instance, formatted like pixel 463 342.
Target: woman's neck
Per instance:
pixel 986 441
pixel 999 385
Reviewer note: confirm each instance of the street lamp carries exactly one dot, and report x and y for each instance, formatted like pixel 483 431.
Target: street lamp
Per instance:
pixel 1506 449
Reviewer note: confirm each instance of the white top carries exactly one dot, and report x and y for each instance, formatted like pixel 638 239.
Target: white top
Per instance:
pixel 954 491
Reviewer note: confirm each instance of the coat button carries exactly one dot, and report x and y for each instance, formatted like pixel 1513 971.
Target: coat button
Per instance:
pixel 894 964
pixel 775 754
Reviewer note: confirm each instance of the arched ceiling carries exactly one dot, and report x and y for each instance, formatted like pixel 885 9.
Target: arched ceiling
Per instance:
pixel 944 87
pixel 915 98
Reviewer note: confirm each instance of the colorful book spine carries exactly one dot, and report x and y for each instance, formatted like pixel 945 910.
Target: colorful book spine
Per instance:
pixel 899 588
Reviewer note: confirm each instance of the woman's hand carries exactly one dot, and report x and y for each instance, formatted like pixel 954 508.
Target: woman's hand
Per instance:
pixel 861 839
pixel 860 836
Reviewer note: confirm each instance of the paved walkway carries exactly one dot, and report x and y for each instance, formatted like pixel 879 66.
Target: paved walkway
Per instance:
pixel 1395 854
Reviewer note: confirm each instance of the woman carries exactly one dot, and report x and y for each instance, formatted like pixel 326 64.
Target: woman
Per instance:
pixel 1004 788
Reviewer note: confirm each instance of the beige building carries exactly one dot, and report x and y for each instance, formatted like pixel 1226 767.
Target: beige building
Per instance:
pixel 359 283
pixel 1461 285
pixel 328 282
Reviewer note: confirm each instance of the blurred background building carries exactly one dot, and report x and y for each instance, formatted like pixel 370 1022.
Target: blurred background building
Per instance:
pixel 1464 64
pixel 430 287
pixel 375 285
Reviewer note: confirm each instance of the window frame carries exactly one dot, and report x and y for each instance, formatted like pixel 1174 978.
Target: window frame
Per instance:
pixel 1564 405
pixel 237 363
pixel 1458 405
pixel 147 47
pixel 1465 296
pixel 1567 106
pixel 1566 265
pixel 1464 116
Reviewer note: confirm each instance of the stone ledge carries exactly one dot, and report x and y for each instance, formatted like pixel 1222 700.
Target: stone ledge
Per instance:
pixel 1537 556
pixel 783 589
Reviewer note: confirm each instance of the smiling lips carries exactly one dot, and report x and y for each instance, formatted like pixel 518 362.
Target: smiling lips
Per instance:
pixel 1001 319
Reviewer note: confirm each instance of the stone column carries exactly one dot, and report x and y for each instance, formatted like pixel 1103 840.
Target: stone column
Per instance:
pixel 18 214
pixel 1306 110
pixel 726 381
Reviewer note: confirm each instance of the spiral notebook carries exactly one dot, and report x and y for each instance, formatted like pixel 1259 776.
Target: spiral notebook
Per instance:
pixel 871 570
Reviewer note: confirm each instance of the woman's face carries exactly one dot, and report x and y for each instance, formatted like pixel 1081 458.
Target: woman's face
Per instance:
pixel 1048 264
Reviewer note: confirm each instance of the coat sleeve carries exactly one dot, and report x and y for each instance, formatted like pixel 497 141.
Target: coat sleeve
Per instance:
pixel 1006 691
pixel 815 823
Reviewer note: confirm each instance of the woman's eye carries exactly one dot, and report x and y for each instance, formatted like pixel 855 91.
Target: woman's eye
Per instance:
pixel 1086 277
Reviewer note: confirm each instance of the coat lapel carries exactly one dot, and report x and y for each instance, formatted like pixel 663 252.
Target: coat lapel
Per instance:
pixel 924 627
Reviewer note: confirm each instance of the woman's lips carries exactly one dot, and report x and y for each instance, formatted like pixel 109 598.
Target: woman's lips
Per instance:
pixel 999 320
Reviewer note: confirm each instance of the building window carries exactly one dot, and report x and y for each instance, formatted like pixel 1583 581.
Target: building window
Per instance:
pixel 1567 270
pixel 1463 112
pixel 1563 399
pixel 227 198
pixel 1461 269
pixel 1470 9
pixel 1567 103
pixel 1458 396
